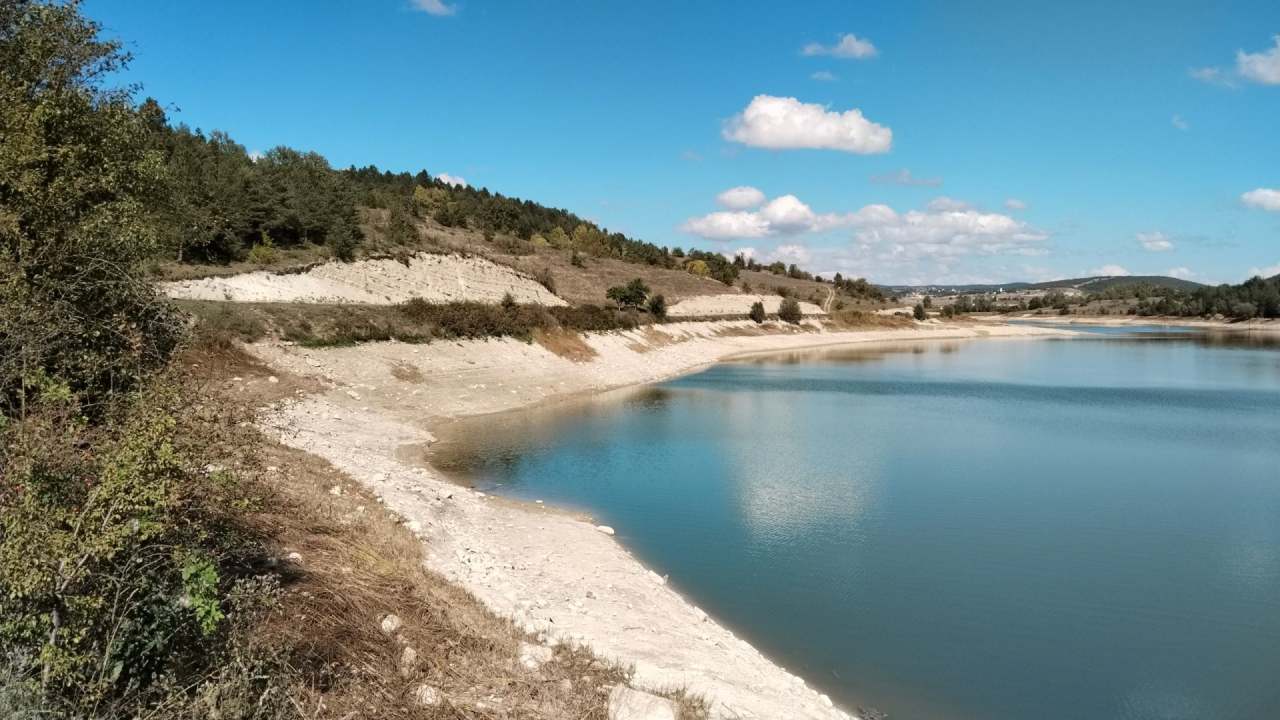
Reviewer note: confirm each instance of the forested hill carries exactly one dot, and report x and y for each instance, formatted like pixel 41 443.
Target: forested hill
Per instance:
pixel 221 205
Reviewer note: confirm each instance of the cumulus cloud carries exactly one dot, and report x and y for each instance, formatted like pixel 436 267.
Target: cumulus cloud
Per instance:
pixel 454 180
pixel 434 7
pixel 1263 199
pixel 1266 272
pixel 740 198
pixel 883 239
pixel 785 123
pixel 1155 242
pixel 904 177
pixel 849 46
pixel 1015 204
pixel 1179 123
pixel 1260 67
pixel 823 76
pixel 1181 273
pixel 1110 270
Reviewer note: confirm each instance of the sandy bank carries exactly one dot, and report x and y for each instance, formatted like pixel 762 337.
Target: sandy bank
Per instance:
pixel 727 304
pixel 552 573
pixel 434 278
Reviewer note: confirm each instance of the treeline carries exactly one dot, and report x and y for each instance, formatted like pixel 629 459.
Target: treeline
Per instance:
pixel 1254 298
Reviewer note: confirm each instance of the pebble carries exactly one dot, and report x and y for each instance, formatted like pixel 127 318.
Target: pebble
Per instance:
pixel 605 529
pixel 427 696
pixel 390 624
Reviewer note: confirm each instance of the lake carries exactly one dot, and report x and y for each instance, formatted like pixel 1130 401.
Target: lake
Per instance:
pixel 1001 529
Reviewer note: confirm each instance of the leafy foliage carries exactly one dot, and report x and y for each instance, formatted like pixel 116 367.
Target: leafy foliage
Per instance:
pixel 757 312
pixel 789 311
pixel 632 295
pixel 77 174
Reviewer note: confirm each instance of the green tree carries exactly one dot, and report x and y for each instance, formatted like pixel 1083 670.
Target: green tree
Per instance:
pixel 78 176
pixel 919 311
pixel 757 311
pixel 789 311
pixel 632 294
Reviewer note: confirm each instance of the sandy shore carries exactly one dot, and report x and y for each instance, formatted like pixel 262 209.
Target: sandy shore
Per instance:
pixel 556 575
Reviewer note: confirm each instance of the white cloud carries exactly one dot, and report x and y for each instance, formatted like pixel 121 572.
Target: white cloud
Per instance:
pixel 1263 199
pixel 434 7
pixel 727 226
pixel 1178 122
pixel 1181 273
pixel 946 204
pixel 823 76
pixel 1110 270
pixel 1015 204
pixel 1260 67
pixel 904 177
pixel 785 123
pixel 1213 76
pixel 798 254
pixel 255 155
pixel 884 240
pixel 1266 272
pixel 740 198
pixel 1155 242
pixel 454 180
pixel 848 46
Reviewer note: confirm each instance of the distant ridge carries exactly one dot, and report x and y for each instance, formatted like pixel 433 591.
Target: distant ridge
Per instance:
pixel 1096 283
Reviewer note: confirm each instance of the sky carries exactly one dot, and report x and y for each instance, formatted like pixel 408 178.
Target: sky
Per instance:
pixel 907 142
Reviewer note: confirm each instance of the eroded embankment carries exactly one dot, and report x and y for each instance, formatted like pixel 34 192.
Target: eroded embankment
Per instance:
pixel 552 573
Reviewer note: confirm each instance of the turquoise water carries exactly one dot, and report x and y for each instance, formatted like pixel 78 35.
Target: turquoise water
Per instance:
pixel 996 529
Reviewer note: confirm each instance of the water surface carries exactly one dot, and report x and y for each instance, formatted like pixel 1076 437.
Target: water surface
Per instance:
pixel 997 529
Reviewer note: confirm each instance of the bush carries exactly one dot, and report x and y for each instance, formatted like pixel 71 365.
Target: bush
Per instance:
pixel 757 311
pixel 120 545
pixel 789 311
pixel 658 307
pixel 919 312
pixel 264 253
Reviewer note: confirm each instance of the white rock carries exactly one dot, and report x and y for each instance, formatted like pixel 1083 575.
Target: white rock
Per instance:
pixel 657 578
pixel 390 624
pixel 336 491
pixel 533 656
pixel 408 661
pixel 826 701
pixel 273 379
pixel 630 704
pixel 427 696
pixel 353 394
pixel 605 529
pixel 294 557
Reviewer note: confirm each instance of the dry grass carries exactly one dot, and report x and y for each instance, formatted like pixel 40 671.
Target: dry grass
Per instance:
pixel 654 339
pixel 567 344
pixel 408 373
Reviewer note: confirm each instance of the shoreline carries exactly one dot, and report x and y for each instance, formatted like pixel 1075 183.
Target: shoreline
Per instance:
pixel 1256 325
pixel 556 575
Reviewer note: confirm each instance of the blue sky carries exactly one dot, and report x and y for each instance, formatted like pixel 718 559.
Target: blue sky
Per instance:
pixel 991 141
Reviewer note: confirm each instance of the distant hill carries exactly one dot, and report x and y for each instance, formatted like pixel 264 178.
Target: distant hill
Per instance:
pixel 1097 283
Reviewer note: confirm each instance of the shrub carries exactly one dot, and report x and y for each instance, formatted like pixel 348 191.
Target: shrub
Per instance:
pixel 757 311
pixel 658 307
pixel 119 544
pixel 789 311
pixel 919 312
pixel 575 259
pixel 264 253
